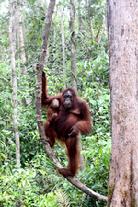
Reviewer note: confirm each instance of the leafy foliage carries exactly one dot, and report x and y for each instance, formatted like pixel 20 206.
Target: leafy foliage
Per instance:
pixel 37 183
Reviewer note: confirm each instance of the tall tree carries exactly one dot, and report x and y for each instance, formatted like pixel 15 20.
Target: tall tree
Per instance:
pixel 73 44
pixel 20 31
pixel 42 60
pixel 22 53
pixel 63 46
pixel 80 22
pixel 12 38
pixel 123 41
pixel 89 16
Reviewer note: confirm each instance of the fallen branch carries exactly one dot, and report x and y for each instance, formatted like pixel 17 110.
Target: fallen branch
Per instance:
pixel 44 139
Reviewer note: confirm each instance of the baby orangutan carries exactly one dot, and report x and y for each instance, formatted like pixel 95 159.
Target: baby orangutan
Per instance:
pixel 53 110
pixel 52 113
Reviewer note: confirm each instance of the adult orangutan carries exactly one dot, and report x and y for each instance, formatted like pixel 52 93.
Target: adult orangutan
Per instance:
pixel 73 118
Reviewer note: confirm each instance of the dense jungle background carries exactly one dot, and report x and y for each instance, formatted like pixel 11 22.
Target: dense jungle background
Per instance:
pixel 36 182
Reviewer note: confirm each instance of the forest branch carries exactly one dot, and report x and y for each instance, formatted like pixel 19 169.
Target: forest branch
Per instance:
pixel 39 69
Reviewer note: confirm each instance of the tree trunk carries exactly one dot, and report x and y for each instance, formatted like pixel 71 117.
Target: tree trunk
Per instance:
pixel 63 47
pixel 12 39
pixel 123 41
pixel 89 18
pixel 26 100
pixel 73 44
pixel 42 59
pixel 80 22
pixel 20 32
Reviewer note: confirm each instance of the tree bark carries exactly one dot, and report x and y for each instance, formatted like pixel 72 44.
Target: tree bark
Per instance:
pixel 12 39
pixel 123 41
pixel 63 47
pixel 22 55
pixel 42 58
pixel 20 32
pixel 89 18
pixel 80 22
pixel 73 44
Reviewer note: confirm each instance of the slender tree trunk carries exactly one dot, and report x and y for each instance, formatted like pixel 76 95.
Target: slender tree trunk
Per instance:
pixel 20 32
pixel 63 47
pixel 42 59
pixel 22 55
pixel 123 41
pixel 73 44
pixel 80 16
pixel 12 38
pixel 89 19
